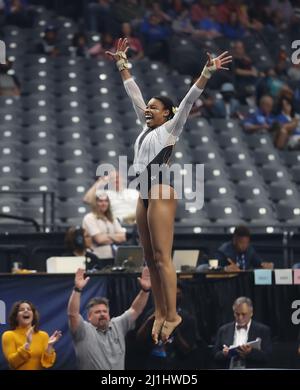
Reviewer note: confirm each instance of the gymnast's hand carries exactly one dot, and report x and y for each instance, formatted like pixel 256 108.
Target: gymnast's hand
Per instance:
pixel 219 61
pixel 120 53
pixel 214 64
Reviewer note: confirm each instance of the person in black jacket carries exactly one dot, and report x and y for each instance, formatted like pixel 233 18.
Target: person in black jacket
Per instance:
pixel 238 334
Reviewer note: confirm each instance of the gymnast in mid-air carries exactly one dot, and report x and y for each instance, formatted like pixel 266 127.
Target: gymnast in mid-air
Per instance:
pixel 155 214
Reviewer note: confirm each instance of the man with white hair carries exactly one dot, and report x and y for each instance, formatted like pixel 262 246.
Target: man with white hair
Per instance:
pixel 238 334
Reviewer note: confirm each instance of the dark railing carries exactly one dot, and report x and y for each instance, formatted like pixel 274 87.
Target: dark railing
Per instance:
pixel 48 216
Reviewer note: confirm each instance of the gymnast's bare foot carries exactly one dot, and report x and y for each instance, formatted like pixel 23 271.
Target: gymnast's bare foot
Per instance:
pixel 169 327
pixel 156 328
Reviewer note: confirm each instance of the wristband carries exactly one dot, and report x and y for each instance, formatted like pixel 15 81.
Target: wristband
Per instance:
pixel 122 63
pixel 146 290
pixel 209 70
pixel 79 290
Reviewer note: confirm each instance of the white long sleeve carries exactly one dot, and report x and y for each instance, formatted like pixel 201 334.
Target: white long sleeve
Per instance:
pixel 175 125
pixel 135 94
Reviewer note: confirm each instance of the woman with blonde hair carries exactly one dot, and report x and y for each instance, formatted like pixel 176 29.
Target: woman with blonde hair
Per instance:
pixel 104 229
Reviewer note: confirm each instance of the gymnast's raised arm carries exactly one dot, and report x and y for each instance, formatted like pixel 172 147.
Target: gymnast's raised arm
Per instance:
pixel 130 85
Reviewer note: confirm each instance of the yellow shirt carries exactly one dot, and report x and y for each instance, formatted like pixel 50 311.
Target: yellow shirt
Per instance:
pixel 19 358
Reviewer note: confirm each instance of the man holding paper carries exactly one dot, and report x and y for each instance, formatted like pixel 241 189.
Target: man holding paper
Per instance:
pixel 243 343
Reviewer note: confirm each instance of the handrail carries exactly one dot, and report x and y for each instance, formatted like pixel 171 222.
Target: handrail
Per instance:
pixel 24 219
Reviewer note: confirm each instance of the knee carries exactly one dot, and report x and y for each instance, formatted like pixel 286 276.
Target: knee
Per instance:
pixel 160 258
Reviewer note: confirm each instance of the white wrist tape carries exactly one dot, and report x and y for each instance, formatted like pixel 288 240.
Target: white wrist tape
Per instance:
pixel 209 70
pixel 122 63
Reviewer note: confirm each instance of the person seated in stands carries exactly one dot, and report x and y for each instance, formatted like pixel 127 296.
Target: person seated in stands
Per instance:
pixel 79 47
pixel 19 13
pixel 238 333
pixel 48 45
pixel 123 200
pixel 233 29
pixel 228 107
pixel 135 51
pixel 208 27
pixel 238 254
pixel 289 133
pixel 245 72
pixel 103 227
pixel 156 33
pixel 263 118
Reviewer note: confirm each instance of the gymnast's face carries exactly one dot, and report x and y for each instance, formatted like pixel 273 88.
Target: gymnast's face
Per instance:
pixel 155 113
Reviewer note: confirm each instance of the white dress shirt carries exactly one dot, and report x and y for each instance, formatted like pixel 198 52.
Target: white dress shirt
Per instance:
pixel 241 335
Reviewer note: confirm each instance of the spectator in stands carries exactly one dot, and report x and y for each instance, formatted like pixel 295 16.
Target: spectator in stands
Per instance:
pixel 229 7
pixel 197 11
pixel 228 107
pixel 123 200
pixel 136 51
pixel 181 23
pixel 240 332
pixel 48 46
pixel 155 36
pixel 245 72
pixel 263 118
pixel 128 11
pixel 238 254
pixel 294 72
pixel 289 133
pixel 99 17
pixel 105 230
pixel 232 29
pixel 9 83
pixel 79 47
pixel 19 13
pixel 107 43
pixel 208 27
pixel 100 342
pixel 24 346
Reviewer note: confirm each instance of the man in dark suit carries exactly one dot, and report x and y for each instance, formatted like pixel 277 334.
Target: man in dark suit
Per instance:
pixel 238 334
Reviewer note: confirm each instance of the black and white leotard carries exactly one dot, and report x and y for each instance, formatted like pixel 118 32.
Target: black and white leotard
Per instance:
pixel 154 146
